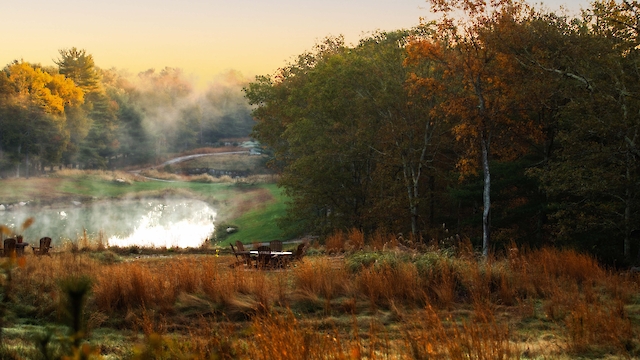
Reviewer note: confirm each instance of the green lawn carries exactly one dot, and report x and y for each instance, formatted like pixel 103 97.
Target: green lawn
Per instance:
pixel 260 225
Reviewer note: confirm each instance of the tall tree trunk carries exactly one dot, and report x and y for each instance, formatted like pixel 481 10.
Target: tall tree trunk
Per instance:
pixel 486 196
pixel 627 210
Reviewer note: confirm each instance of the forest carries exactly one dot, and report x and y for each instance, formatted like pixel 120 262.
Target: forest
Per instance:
pixel 78 115
pixel 499 123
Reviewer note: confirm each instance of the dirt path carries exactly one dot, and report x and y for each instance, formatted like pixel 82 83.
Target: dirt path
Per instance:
pixel 189 157
pixel 181 159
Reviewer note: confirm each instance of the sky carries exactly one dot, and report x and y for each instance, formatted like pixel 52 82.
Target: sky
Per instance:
pixel 202 37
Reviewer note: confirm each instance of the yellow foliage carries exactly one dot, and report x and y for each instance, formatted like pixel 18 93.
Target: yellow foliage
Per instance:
pixel 50 92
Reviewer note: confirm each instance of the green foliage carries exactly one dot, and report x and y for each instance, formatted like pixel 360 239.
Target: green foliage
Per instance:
pixel 339 121
pixel 79 66
pixel 424 262
pixel 370 136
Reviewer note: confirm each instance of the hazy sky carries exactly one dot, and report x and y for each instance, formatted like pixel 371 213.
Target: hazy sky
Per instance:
pixel 202 37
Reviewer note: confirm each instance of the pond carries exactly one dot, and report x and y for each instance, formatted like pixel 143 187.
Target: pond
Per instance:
pixel 169 222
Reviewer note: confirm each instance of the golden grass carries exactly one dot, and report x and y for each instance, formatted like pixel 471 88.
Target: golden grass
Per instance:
pixel 155 174
pixel 429 337
pixel 104 175
pixel 393 307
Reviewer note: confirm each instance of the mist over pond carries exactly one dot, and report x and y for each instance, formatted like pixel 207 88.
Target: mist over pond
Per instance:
pixel 168 222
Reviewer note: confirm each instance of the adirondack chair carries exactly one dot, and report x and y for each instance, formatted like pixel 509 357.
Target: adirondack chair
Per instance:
pixel 9 247
pixel 43 249
pixel 300 251
pixel 246 257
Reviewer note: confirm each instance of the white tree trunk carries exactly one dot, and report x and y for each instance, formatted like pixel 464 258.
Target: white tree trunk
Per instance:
pixel 486 197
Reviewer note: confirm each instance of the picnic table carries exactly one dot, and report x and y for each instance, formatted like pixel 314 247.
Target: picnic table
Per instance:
pixel 266 258
pixel 273 253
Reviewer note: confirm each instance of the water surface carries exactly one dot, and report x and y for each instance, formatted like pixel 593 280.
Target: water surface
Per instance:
pixel 167 223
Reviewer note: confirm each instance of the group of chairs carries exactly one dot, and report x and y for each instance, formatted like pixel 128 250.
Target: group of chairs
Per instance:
pixel 12 249
pixel 265 258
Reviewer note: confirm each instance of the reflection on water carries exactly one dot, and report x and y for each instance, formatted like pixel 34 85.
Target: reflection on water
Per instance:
pixel 146 223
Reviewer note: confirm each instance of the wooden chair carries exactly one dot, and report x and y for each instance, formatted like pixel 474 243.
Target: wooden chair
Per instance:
pixel 246 257
pixel 45 245
pixel 298 254
pixel 239 259
pixel 239 246
pixel 300 251
pixel 276 245
pixel 263 260
pixel 9 247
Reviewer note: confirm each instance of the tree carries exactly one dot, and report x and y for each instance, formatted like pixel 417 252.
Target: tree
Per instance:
pixel 100 143
pixel 476 92
pixel 79 66
pixel 32 113
pixel 310 114
pixel 352 141
pixel 410 131
pixel 592 177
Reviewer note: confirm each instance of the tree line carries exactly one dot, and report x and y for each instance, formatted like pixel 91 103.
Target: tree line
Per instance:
pixel 499 122
pixel 77 114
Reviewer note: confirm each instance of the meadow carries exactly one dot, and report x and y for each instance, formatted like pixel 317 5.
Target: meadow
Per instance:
pixel 344 300
pixel 353 296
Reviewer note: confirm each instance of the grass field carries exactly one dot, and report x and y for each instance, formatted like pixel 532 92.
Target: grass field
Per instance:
pixel 381 302
pixel 351 297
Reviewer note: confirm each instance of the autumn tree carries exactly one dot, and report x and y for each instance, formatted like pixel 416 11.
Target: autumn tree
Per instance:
pixel 33 106
pixel 476 91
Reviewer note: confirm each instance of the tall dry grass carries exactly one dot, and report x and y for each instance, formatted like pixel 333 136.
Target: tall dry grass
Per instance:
pixel 427 336
pixel 433 305
pixel 155 174
pixel 386 285
pixel 103 175
pixel 335 243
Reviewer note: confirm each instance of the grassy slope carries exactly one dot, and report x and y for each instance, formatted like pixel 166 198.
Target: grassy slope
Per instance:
pixel 260 224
